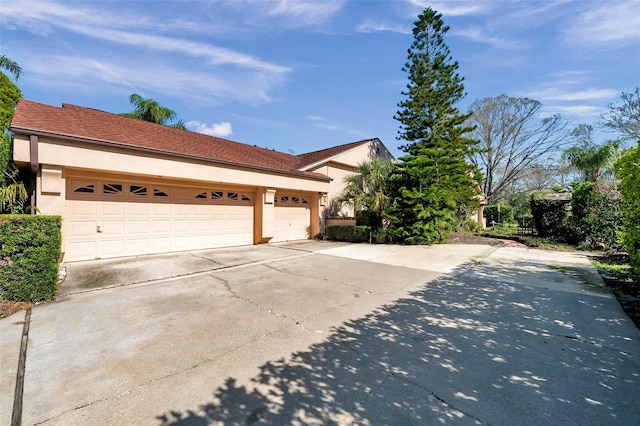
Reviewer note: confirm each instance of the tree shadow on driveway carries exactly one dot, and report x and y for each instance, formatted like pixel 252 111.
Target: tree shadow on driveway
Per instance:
pixel 463 349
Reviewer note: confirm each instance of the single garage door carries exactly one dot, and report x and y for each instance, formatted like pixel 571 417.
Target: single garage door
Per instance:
pixel 292 217
pixel 112 218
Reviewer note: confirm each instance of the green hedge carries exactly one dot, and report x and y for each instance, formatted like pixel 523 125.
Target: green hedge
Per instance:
pixel 353 234
pixel 549 216
pixel 29 254
pixel 627 169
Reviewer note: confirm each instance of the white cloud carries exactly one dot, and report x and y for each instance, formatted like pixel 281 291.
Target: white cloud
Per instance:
pixel 455 8
pixel 306 13
pixel 481 35
pixel 560 95
pixel 609 25
pixel 221 129
pixel 324 123
pixel 376 26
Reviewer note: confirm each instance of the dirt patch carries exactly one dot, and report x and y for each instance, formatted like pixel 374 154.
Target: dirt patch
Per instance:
pixel 461 238
pixel 9 307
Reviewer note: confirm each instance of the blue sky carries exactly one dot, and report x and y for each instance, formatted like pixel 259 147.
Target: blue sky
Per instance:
pixel 298 76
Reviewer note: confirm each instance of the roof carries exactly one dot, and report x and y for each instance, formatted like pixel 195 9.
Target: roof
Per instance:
pixel 328 153
pixel 94 126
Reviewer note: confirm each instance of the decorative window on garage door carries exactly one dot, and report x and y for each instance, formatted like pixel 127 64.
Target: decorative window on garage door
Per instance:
pixel 223 197
pixel 291 200
pixel 97 189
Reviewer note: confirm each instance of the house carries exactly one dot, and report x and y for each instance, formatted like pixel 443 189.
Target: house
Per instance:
pixel 127 187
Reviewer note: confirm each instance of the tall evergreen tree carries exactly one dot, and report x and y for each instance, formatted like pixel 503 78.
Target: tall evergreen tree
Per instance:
pixel 434 185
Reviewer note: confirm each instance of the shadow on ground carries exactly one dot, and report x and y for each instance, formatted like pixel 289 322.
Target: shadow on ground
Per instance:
pixel 471 350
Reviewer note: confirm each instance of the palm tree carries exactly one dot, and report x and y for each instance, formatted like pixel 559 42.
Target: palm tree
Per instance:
pixel 367 189
pixel 10 66
pixel 13 193
pixel 149 110
pixel 591 160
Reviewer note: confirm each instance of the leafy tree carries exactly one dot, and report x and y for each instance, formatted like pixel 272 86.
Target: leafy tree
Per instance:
pixel 512 139
pixel 149 110
pixel 433 184
pixel 624 116
pixel 627 168
pixel 13 193
pixel 368 189
pixel 591 160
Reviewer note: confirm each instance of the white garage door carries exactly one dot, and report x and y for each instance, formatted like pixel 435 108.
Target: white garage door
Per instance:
pixel 107 218
pixel 292 217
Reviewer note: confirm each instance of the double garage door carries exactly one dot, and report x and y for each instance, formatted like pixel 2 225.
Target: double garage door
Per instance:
pixel 111 218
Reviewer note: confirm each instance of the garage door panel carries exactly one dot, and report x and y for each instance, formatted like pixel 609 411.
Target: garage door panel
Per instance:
pixel 113 227
pixel 161 226
pixel 181 225
pixel 162 210
pixel 112 248
pixel 138 246
pixel 137 227
pixel 81 250
pixel 138 209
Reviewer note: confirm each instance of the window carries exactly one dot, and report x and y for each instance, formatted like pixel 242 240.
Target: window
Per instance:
pixel 217 195
pixel 295 200
pixel 284 198
pixel 138 190
pixel 232 196
pixel 246 197
pixel 87 189
pixel 202 196
pixel 112 188
pixel 305 201
pixel 158 193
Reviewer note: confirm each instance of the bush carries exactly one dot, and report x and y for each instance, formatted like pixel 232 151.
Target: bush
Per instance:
pixel 29 257
pixel 498 214
pixel 595 215
pixel 549 216
pixel 627 170
pixel 353 234
pixel 470 225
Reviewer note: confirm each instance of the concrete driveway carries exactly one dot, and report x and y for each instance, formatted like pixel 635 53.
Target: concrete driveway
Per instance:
pixel 328 333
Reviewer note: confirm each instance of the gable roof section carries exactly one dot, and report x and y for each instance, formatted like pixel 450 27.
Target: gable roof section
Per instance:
pixel 94 126
pixel 312 158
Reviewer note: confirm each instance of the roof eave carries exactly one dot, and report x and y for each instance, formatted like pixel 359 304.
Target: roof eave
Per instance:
pixel 296 173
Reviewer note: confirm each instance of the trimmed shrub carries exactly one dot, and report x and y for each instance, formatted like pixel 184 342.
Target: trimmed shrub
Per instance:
pixel 29 253
pixel 498 214
pixel 595 215
pixel 627 169
pixel 549 216
pixel 352 234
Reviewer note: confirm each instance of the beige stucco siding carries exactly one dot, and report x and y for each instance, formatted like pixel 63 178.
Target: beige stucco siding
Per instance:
pixel 119 160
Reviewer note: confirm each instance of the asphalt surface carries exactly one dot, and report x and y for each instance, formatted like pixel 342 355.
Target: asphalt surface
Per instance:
pixel 328 333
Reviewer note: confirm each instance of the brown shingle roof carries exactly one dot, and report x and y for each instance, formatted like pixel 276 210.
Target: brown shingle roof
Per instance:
pixel 95 126
pixel 324 154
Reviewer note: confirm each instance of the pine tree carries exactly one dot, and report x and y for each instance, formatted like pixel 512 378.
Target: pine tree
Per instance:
pixel 434 184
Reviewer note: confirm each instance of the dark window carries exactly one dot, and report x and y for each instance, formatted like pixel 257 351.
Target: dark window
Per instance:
pixel 284 198
pixel 246 197
pixel 87 189
pixel 159 193
pixel 112 188
pixel 295 200
pixel 138 190
pixel 232 196
pixel 217 195
pixel 202 196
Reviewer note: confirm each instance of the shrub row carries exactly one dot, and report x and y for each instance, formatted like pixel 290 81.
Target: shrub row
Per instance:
pixel 353 234
pixel 627 170
pixel 498 214
pixel 29 253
